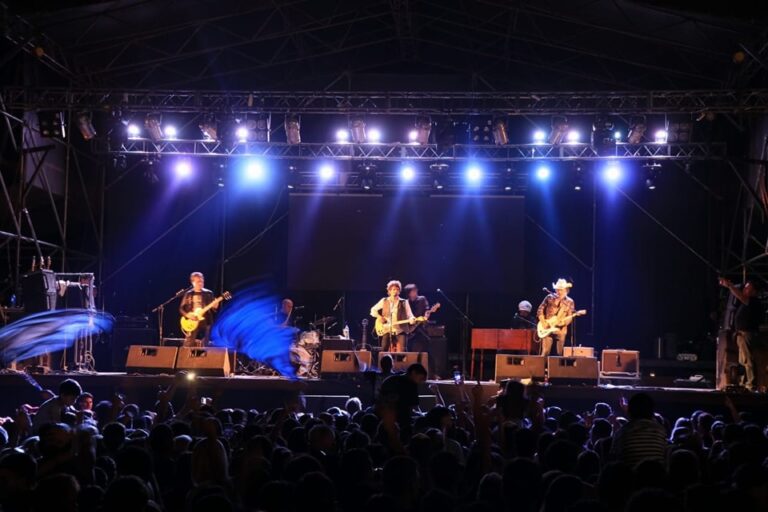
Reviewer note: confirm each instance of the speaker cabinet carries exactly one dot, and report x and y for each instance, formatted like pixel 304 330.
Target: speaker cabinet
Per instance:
pixel 345 361
pixel 620 361
pixel 210 362
pixel 579 351
pixel 572 369
pixel 402 360
pixel 519 367
pixel 151 359
pixel 122 340
pixel 438 357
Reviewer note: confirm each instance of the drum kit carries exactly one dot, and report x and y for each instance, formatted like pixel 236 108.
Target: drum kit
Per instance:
pixel 305 351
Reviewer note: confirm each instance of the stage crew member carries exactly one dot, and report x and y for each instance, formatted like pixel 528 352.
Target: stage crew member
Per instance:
pixel 556 310
pixel 389 310
pixel 197 297
pixel 747 321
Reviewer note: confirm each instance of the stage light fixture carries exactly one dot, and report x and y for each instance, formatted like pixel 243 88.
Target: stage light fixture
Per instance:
pixel 539 137
pixel 422 129
pixel 134 131
pixel 651 174
pixel 342 135
pixel 474 174
pixel 508 180
pixel 660 137
pixel 85 124
pixel 374 135
pixel 637 130
pixel 500 135
pixel 578 180
pixel 292 129
pixel 612 173
pixel 407 173
pixel 680 131
pixel 326 172
pixel 242 134
pixel 51 124
pixel 171 132
pixel 255 171
pixel 573 136
pixel 209 128
pixel 153 125
pixel 183 169
pixel 357 130
pixel 617 136
pixel 293 177
pixel 543 173
pixel 559 130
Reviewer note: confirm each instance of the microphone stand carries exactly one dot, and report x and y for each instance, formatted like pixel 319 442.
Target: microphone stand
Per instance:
pixel 161 309
pixel 466 323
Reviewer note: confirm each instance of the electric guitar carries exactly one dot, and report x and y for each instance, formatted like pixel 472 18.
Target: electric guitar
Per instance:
pixel 188 325
pixel 382 328
pixel 545 328
pixel 427 313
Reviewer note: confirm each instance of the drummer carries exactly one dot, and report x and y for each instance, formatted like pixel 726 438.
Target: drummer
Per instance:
pixel 284 317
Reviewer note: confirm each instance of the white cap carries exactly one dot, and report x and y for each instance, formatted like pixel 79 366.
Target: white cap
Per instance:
pixel 524 306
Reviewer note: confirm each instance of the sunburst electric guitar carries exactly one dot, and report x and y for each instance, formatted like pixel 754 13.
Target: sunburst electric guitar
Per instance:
pixel 188 325
pixel 547 327
pixel 382 328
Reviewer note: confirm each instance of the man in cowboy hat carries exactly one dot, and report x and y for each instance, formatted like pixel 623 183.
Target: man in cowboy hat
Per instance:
pixel 556 310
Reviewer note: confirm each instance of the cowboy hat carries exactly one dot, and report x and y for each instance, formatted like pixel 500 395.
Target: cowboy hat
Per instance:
pixel 561 284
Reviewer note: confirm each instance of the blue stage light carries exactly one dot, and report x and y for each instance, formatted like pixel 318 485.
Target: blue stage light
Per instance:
pixel 474 174
pixel 539 136
pixel 407 173
pixel 326 172
pixel 255 171
pixel 543 173
pixel 183 169
pixel 612 173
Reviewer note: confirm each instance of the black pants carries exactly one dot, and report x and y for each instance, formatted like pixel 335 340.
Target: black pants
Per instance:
pixel 192 339
pixel 393 342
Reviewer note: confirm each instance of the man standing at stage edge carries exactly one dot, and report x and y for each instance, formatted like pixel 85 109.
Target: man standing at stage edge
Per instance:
pixel 746 323
pixel 556 310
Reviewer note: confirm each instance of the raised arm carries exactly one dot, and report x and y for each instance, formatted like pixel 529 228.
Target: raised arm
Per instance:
pixel 737 292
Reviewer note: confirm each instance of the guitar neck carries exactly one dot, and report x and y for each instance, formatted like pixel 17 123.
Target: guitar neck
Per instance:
pixel 212 304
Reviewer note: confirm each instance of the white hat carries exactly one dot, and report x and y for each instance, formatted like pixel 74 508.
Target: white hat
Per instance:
pixel 524 306
pixel 561 284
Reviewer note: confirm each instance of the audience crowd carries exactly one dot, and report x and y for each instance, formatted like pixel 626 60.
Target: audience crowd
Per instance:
pixel 510 453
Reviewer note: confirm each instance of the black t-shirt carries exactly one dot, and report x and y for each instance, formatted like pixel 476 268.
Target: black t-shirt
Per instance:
pixel 749 316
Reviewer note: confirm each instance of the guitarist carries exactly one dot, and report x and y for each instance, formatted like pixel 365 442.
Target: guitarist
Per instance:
pixel 389 310
pixel 557 307
pixel 418 339
pixel 197 297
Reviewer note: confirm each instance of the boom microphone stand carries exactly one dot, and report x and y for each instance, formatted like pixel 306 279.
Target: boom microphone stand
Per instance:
pixel 466 323
pixel 161 309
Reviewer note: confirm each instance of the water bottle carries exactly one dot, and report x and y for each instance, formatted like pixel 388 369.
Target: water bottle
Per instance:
pixel 345 332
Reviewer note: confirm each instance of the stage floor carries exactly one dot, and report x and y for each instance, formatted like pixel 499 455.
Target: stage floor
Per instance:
pixel 262 392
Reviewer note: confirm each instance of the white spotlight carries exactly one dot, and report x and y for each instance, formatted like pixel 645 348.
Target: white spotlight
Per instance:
pixel 413 135
pixel 242 134
pixel 171 132
pixel 374 135
pixel 407 173
pixel 573 136
pixel 660 137
pixel 326 172
pixel 133 131
pixel 342 135
pixel 539 136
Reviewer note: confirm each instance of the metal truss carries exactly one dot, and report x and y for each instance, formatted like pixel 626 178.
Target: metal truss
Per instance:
pixel 394 152
pixel 436 103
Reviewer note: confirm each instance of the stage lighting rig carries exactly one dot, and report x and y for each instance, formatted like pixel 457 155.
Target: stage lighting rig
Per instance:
pixel 637 128
pixel 85 124
pixel 292 127
pixel 559 130
pixel 421 131
pixel 603 136
pixel 153 123
pixel 680 131
pixel 357 130
pixel 209 128
pixel 51 124
pixel 500 135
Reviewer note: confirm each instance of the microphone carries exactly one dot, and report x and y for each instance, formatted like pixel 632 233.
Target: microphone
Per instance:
pixel 299 307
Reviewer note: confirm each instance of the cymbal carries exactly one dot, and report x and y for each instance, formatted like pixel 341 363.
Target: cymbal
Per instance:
pixel 325 320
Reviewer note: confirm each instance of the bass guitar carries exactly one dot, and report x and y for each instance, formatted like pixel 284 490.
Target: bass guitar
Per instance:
pixel 189 325
pixel 547 327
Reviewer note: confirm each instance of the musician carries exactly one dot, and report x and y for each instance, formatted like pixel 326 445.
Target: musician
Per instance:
pixel 746 321
pixel 523 318
pixel 285 317
pixel 197 297
pixel 559 307
pixel 389 310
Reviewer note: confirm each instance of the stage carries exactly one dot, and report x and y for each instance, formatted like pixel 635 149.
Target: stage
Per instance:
pixel 260 392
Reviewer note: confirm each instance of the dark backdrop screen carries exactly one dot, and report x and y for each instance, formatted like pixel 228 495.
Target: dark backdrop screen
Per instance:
pixel 459 243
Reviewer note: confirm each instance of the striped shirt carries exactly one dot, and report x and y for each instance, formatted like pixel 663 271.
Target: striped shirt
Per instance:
pixel 640 440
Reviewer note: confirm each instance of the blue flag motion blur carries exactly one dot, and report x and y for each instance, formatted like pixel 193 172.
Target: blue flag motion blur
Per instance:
pixel 50 331
pixel 247 325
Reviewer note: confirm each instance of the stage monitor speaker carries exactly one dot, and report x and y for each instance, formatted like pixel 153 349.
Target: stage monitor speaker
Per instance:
pixel 336 343
pixel 402 360
pixel 519 367
pixel 122 339
pixel 572 369
pixel 151 359
pixel 579 351
pixel 620 361
pixel 438 357
pixel 345 361
pixel 210 362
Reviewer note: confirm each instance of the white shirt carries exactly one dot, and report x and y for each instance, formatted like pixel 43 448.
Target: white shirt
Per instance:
pixel 392 311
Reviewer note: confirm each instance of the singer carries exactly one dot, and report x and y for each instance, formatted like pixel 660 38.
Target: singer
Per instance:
pixel 396 313
pixel 556 310
pixel 197 297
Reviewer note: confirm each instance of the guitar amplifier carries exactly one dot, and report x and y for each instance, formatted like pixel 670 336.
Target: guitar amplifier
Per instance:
pixel 519 367
pixel 435 331
pixel 572 369
pixel 579 351
pixel 402 360
pixel 620 361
